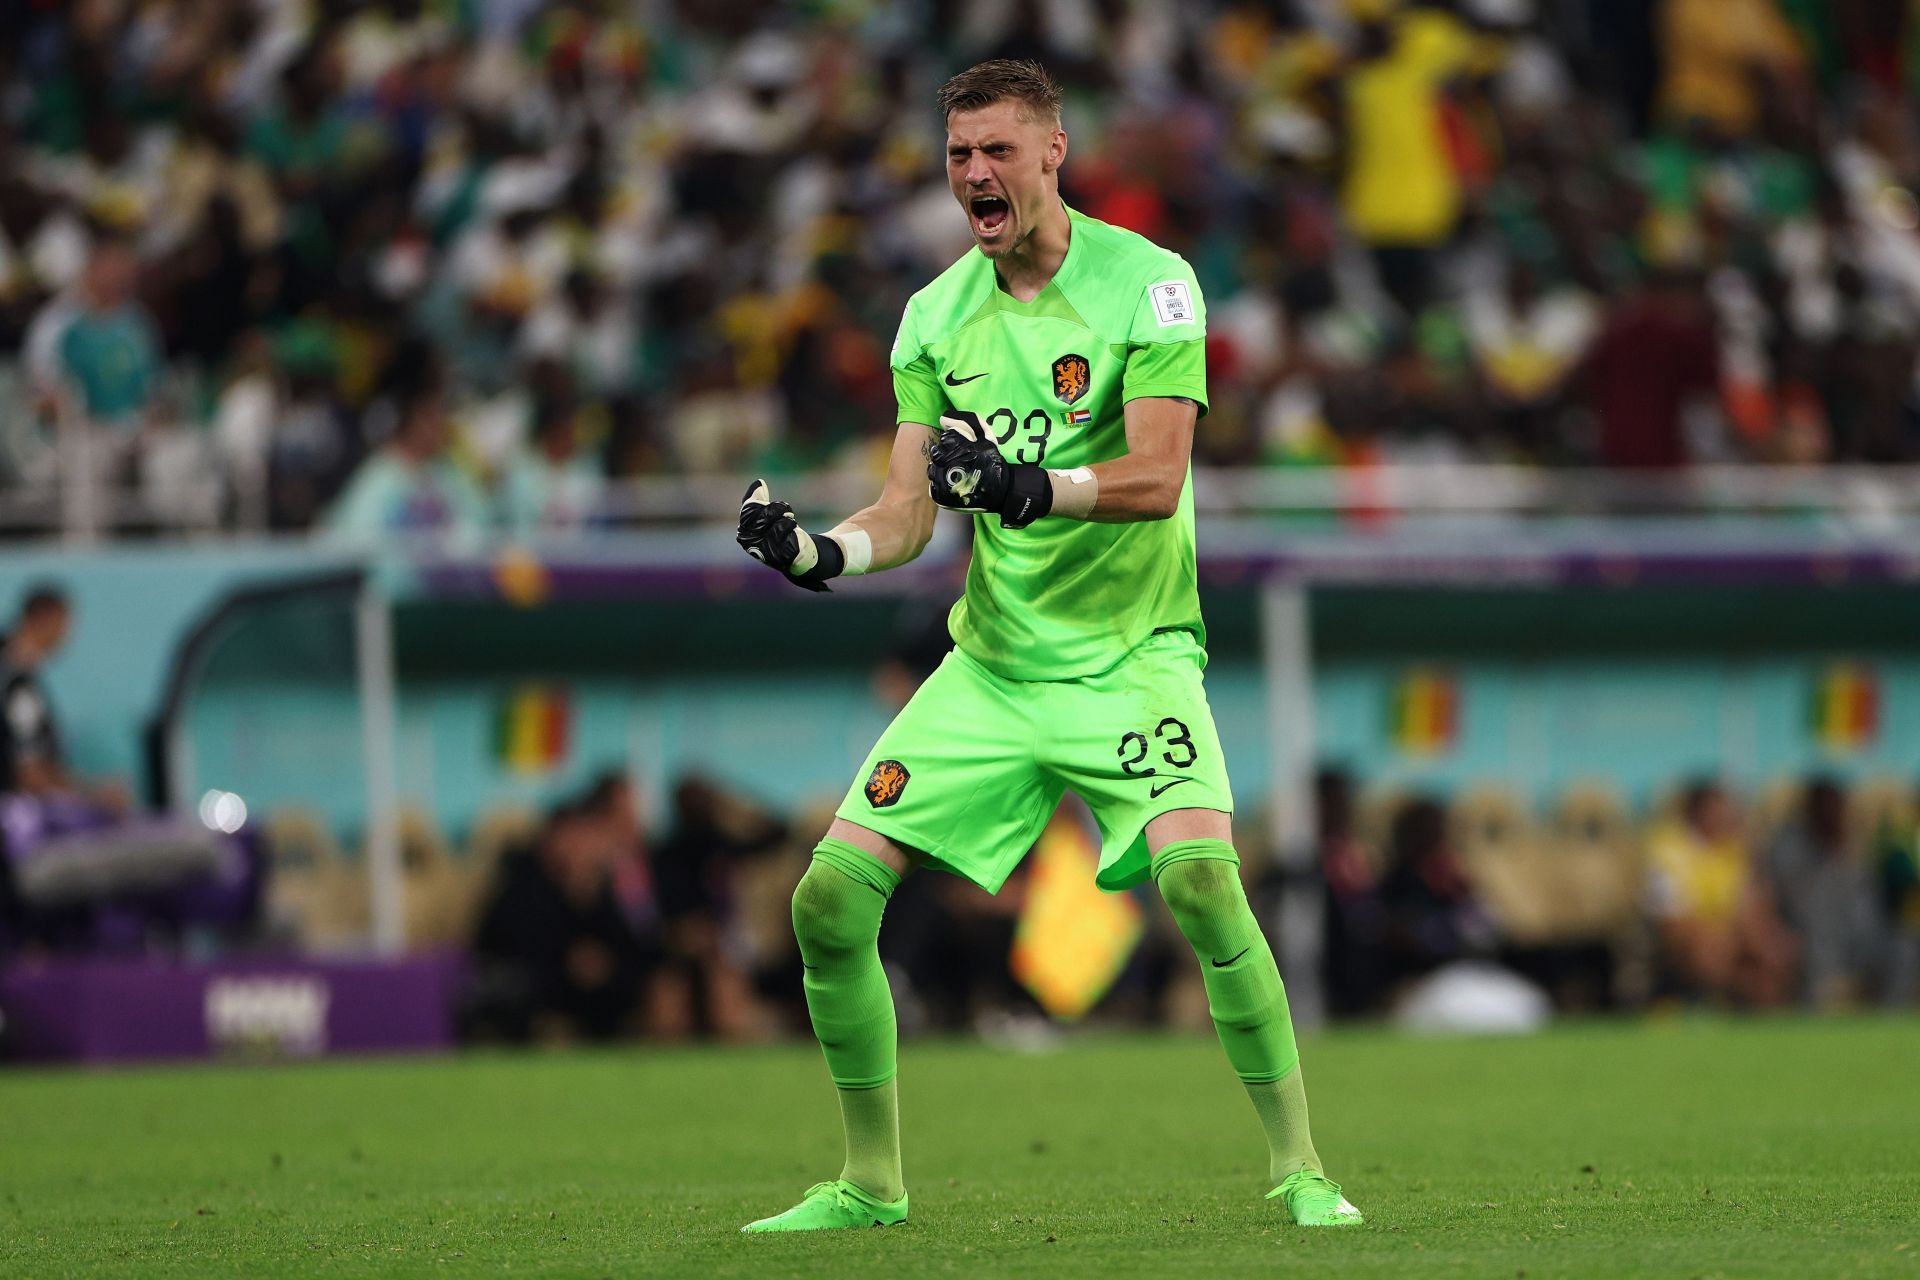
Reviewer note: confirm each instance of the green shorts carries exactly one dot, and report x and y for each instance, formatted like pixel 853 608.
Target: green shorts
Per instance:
pixel 971 769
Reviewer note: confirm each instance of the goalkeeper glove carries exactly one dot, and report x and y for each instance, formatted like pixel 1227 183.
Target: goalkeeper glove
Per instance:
pixel 966 473
pixel 770 534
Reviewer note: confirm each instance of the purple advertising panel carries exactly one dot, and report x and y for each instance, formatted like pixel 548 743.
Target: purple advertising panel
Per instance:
pixel 121 1010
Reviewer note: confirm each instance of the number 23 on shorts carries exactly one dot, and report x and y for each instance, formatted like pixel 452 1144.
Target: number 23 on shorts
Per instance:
pixel 1171 735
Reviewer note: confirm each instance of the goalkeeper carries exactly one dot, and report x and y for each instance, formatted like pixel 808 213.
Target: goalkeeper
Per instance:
pixel 1063 363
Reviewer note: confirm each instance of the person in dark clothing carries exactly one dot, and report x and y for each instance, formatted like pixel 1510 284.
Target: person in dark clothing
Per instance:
pixel 1828 897
pixel 692 884
pixel 1656 355
pixel 1433 917
pixel 29 738
pixel 559 956
pixel 31 761
pixel 1355 917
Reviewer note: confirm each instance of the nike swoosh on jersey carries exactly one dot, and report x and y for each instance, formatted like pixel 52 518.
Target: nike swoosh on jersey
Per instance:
pixel 1153 793
pixel 1221 964
pixel 960 382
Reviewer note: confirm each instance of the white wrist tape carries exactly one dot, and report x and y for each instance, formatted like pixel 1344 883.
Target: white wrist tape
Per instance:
pixel 1074 492
pixel 857 546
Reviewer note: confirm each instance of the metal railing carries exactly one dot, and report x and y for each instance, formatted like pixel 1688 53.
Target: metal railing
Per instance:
pixel 74 500
pixel 1422 489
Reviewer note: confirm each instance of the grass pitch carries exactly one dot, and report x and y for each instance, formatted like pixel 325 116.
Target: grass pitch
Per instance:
pixel 1688 1149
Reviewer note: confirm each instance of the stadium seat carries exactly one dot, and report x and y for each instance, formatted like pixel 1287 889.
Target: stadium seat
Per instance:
pixel 435 889
pixel 311 892
pixel 1875 804
pixel 1500 851
pixel 1594 865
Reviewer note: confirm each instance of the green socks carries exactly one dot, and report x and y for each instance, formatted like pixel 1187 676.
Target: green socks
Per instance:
pixel 1200 880
pixel 871 1118
pixel 836 919
pixel 1282 1107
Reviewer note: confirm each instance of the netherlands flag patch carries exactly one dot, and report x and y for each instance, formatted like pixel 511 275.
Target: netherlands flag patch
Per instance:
pixel 1077 416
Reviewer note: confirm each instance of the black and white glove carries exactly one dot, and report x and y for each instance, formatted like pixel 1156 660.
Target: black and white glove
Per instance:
pixel 966 473
pixel 770 534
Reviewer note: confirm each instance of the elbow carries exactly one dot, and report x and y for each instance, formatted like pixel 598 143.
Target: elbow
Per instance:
pixel 1163 502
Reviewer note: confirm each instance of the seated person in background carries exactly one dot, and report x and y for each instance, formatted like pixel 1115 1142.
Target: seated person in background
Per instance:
pixel 78 869
pixel 1355 917
pixel 30 759
pixel 611 800
pixel 559 957
pixel 1828 898
pixel 693 869
pixel 1720 936
pixel 1898 872
pixel 1432 917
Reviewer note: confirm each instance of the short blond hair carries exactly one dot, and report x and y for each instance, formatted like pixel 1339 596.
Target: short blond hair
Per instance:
pixel 986 83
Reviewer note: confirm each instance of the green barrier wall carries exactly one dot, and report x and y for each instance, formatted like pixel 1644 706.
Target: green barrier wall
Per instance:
pixel 776 698
pixel 1638 687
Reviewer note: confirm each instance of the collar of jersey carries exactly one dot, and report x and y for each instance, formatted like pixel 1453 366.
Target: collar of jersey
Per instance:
pixel 1002 300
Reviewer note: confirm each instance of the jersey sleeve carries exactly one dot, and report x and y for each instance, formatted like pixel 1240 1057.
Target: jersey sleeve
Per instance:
pixel 1167 340
pixel 915 386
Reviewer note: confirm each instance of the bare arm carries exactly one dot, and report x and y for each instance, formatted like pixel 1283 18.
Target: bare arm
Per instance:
pixel 900 523
pixel 1144 484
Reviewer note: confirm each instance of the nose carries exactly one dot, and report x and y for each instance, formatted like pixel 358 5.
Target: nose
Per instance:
pixel 977 170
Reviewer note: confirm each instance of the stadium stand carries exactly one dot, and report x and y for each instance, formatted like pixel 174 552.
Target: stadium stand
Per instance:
pixel 623 242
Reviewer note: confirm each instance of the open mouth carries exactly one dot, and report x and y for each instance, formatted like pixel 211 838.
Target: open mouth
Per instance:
pixel 989 213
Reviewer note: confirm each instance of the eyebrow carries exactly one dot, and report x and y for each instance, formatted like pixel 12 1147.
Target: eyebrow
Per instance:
pixel 983 146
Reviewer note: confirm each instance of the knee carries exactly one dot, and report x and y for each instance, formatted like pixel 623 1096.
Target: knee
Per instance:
pixel 1200 887
pixel 826 918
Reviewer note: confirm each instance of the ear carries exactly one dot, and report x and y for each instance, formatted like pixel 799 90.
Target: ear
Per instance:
pixel 1056 152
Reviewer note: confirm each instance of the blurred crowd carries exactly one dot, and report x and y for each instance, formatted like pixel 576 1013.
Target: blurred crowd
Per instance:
pixel 386 264
pixel 1810 897
pixel 589 929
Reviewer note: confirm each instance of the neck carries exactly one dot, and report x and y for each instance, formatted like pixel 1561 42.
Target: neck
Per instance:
pixel 1030 265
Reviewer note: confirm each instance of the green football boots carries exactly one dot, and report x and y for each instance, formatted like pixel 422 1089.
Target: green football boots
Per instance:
pixel 1314 1200
pixel 832 1205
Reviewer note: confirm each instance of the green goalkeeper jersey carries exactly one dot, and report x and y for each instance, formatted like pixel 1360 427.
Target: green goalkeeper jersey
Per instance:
pixel 1121 319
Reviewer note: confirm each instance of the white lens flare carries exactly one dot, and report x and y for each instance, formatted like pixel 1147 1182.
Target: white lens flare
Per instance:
pixel 223 811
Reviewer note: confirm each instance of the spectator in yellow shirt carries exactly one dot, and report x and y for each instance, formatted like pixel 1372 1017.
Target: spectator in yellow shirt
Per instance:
pixel 1719 934
pixel 1722 58
pixel 1401 195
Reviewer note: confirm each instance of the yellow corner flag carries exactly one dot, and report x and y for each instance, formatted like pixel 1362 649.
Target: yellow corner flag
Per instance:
pixel 1072 939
